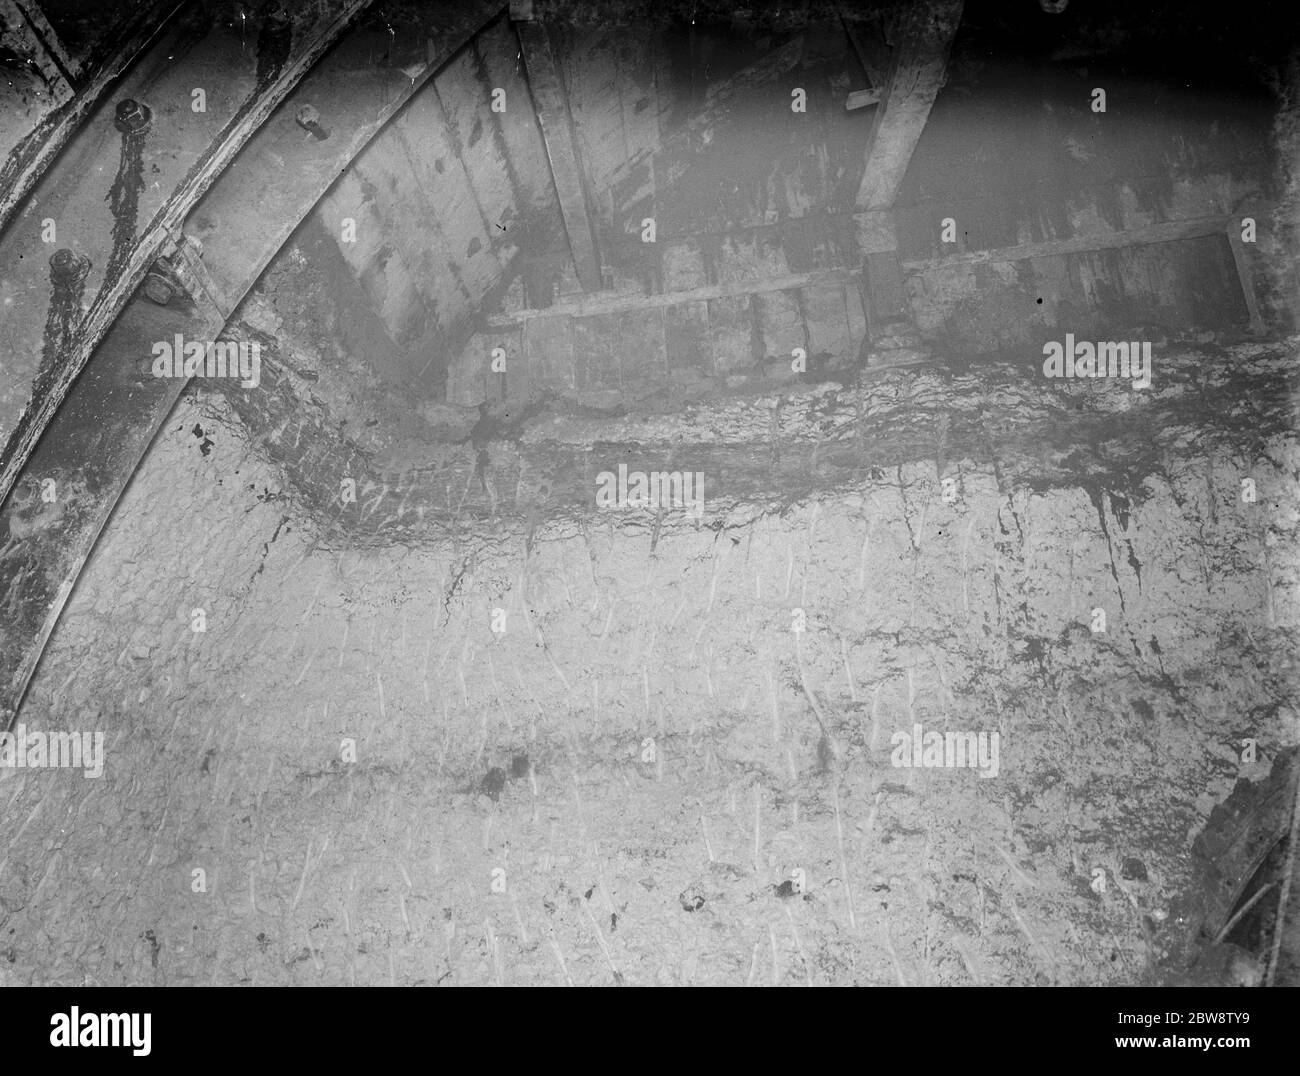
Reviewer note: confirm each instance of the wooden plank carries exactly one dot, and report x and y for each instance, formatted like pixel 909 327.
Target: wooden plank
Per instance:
pixel 497 49
pixel 857 317
pixel 422 251
pixel 381 269
pixel 592 81
pixel 1242 261
pixel 466 102
pixel 782 325
pixel 683 265
pixel 883 287
pixel 642 352
pixel 513 383
pixel 876 231
pixel 861 99
pixel 615 303
pixel 923 38
pixel 471 379
pixel 721 99
pixel 731 325
pixel 828 322
pixel 447 193
pixel 595 358
pixel 1164 232
pixel 557 131
pixel 882 295
pixel 871 50
pixel 639 94
pixel 755 254
pixel 548 350
pixel 372 91
pixel 686 334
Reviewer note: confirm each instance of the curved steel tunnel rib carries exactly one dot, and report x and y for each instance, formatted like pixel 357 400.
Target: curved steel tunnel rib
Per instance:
pixel 124 274
pixel 36 151
pixel 111 414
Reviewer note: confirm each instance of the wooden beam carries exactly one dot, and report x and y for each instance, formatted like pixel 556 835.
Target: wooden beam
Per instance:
pixel 556 122
pixel 1164 232
pixel 883 293
pixel 861 99
pixel 720 99
pixel 883 296
pixel 1242 261
pixel 872 52
pixel 923 38
pixel 615 304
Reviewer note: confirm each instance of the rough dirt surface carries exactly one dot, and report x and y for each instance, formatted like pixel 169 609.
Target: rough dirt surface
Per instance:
pixel 322 786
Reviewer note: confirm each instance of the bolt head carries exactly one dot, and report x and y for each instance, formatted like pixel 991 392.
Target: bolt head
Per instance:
pixel 132 116
pixel 158 289
pixel 306 116
pixel 68 266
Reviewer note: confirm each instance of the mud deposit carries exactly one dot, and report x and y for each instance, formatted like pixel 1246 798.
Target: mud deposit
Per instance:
pixel 350 776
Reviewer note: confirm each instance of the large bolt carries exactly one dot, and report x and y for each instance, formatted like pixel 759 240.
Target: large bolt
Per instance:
pixel 159 288
pixel 309 120
pixel 132 116
pixel 68 268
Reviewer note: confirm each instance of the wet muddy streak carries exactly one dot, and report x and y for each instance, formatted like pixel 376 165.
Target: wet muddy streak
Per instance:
pixel 124 201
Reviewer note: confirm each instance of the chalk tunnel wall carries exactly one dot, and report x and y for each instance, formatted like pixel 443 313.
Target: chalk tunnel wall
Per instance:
pixel 951 673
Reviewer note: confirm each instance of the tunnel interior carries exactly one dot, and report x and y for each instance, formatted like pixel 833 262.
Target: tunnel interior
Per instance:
pixel 635 550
